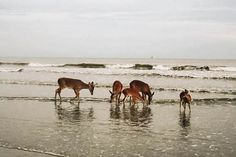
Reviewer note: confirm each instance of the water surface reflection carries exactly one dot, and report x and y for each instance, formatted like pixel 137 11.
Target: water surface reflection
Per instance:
pixel 134 116
pixel 184 122
pixel 73 112
pixel 184 119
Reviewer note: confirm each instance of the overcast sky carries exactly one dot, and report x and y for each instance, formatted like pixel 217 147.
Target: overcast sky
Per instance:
pixel 118 28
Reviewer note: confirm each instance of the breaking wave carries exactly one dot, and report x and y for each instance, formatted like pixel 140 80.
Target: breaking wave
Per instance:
pixel 224 68
pixel 191 67
pixel 124 66
pixel 44 65
pixel 153 70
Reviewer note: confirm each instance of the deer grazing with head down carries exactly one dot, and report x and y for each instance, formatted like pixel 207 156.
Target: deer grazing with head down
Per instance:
pixel 133 94
pixel 116 91
pixel 185 98
pixel 143 88
pixel 74 84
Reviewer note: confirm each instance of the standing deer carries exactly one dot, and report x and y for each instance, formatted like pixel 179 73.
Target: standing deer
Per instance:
pixel 116 91
pixel 133 94
pixel 74 84
pixel 185 98
pixel 181 95
pixel 143 88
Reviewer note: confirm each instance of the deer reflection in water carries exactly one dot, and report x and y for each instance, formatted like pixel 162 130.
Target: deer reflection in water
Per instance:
pixel 184 119
pixel 115 112
pixel 132 114
pixel 73 113
pixel 184 122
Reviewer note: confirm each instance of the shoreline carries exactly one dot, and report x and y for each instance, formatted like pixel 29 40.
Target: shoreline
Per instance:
pixel 91 99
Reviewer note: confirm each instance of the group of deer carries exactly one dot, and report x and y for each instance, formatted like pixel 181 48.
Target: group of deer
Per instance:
pixel 136 87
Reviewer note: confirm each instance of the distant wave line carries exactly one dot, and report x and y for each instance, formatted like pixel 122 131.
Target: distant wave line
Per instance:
pixel 14 63
pixel 153 74
pixel 136 66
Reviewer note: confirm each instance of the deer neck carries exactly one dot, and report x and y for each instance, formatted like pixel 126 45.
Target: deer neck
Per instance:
pixel 84 85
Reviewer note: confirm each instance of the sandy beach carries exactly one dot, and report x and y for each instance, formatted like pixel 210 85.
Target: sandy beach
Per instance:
pixel 32 124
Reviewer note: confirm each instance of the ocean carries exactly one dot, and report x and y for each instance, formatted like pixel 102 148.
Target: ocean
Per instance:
pixel 30 120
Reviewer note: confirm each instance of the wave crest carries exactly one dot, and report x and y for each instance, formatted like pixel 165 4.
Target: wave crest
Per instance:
pixel 191 67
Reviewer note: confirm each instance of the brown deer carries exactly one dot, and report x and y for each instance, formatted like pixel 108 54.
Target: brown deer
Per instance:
pixel 181 95
pixel 133 94
pixel 143 88
pixel 185 98
pixel 116 91
pixel 74 84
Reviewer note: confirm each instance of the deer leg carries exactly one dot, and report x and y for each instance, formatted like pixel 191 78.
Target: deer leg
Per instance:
pixel 123 100
pixel 76 95
pixel 130 99
pixel 58 91
pixel 180 102
pixel 143 103
pixel 184 104
pixel 117 101
pixel 143 96
pixel 146 100
pixel 119 97
pixel 56 95
pixel 189 107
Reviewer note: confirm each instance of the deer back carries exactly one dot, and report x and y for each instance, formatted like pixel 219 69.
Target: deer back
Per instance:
pixel 69 83
pixel 140 86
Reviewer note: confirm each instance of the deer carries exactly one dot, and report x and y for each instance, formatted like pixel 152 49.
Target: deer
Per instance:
pixel 185 98
pixel 143 88
pixel 133 94
pixel 74 84
pixel 116 91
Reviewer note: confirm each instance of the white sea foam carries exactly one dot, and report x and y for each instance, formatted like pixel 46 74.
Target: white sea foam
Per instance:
pixel 161 67
pixel 119 66
pixel 231 69
pixel 123 68
pixel 10 70
pixel 44 65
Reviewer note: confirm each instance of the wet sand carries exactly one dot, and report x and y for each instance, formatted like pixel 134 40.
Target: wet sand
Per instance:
pixel 5 152
pixel 94 127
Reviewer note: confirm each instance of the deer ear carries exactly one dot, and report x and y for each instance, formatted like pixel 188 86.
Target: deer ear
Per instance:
pixel 92 83
pixel 153 93
pixel 110 91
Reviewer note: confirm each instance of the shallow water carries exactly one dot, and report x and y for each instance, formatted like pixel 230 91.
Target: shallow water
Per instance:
pixel 31 122
pixel 96 128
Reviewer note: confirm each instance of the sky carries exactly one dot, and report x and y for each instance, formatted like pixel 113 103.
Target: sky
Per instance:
pixel 201 29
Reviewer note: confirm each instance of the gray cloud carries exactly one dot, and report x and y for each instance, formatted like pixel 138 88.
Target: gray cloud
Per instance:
pixel 124 28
